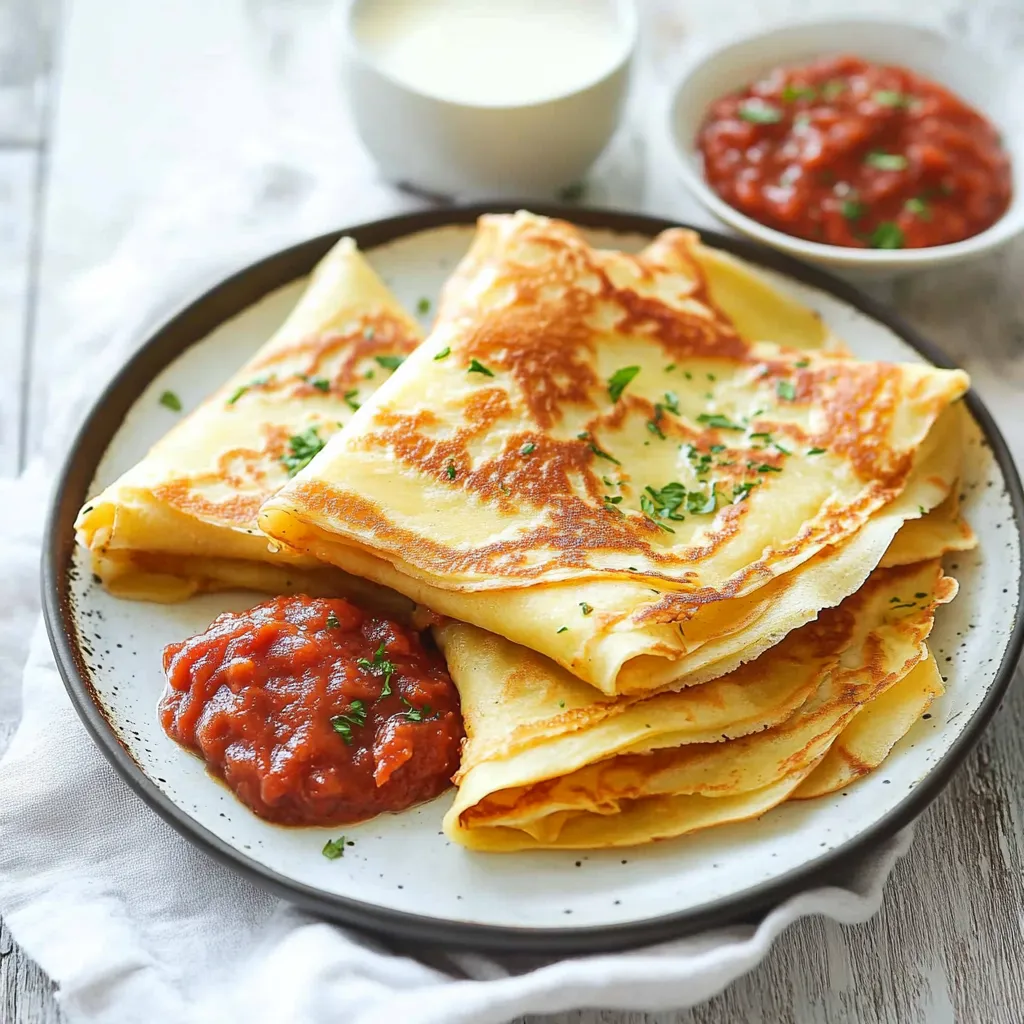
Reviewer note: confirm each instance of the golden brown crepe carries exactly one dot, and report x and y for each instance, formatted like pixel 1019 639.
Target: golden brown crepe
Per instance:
pixel 184 519
pixel 876 728
pixel 573 772
pixel 510 475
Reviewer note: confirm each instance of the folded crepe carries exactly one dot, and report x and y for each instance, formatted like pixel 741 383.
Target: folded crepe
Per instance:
pixel 588 459
pixel 876 728
pixel 548 765
pixel 184 519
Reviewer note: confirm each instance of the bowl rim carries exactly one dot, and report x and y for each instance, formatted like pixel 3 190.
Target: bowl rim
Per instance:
pixel 1010 224
pixel 625 12
pixel 235 291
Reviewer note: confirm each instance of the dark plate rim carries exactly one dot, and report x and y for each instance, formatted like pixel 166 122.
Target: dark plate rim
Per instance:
pixel 191 323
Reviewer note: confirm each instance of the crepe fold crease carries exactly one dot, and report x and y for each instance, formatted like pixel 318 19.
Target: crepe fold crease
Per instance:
pixel 589 457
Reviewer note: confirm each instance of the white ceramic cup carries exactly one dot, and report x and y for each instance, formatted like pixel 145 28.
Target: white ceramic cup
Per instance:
pixel 464 149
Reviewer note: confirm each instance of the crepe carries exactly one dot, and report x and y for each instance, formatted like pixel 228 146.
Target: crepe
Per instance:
pixel 867 741
pixel 510 476
pixel 183 520
pixel 942 531
pixel 741 296
pixel 573 773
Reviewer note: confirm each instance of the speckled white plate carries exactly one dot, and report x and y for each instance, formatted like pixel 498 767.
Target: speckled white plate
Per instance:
pixel 401 876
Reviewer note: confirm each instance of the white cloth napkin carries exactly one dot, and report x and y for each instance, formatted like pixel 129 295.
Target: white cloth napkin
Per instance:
pixel 130 920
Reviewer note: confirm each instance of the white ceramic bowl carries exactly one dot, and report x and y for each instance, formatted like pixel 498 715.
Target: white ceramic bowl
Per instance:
pixel 972 76
pixel 473 150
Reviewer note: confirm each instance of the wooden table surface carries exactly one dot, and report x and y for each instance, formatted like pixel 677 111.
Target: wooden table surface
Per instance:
pixel 109 107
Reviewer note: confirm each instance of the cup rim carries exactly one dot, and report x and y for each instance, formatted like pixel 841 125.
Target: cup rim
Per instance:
pixel 625 13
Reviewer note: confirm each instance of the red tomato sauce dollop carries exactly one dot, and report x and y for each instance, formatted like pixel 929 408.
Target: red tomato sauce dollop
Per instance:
pixel 849 153
pixel 289 703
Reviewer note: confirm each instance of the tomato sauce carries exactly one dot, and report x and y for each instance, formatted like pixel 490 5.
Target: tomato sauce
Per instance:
pixel 314 712
pixel 849 153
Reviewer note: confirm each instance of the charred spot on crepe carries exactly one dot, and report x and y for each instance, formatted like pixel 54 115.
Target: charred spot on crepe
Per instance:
pixel 341 356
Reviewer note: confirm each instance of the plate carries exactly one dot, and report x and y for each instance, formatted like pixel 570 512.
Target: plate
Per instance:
pixel 109 653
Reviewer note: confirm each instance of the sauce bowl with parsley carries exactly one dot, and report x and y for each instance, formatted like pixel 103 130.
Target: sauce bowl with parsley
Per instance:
pixel 866 145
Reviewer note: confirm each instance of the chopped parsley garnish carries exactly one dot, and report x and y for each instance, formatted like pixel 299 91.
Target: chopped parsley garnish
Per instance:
pixel 887 235
pixel 765 468
pixel 650 512
pixel 609 482
pixel 778 447
pixel 169 400
pixel 802 363
pixel 561 629
pixel 353 718
pixel 380 666
pixel 670 367
pixel 652 425
pixel 475 366
pixel 369 375
pixel 672 402
pixel 561 703
pixel 718 421
pixel 760 113
pixel 918 207
pixel 891 98
pixel 687 375
pixel 599 453
pixel 792 93
pixel 886 161
pixel 415 714
pixel 716 448
pixel 762 435
pixel 815 451
pixel 332 621
pixel 740 491
pixel 320 383
pixel 612 499
pixel 423 306
pixel 785 390
pixel 242 388
pixel 444 353
pixel 672 500
pixel 619 379
pixel 390 362
pixel 920 594
pixel 303 447
pixel 585 608
pixel 350 399
pixel 832 89
pixel 852 209
pixel 527 448
pixel 335 848
pixel 450 470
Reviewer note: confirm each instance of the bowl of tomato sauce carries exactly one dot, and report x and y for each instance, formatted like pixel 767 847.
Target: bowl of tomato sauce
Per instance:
pixel 865 144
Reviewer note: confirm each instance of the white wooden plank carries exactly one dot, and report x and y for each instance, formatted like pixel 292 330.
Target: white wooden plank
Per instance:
pixel 26 57
pixel 18 179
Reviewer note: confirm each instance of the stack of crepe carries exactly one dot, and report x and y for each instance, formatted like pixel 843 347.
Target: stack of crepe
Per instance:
pixel 682 549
